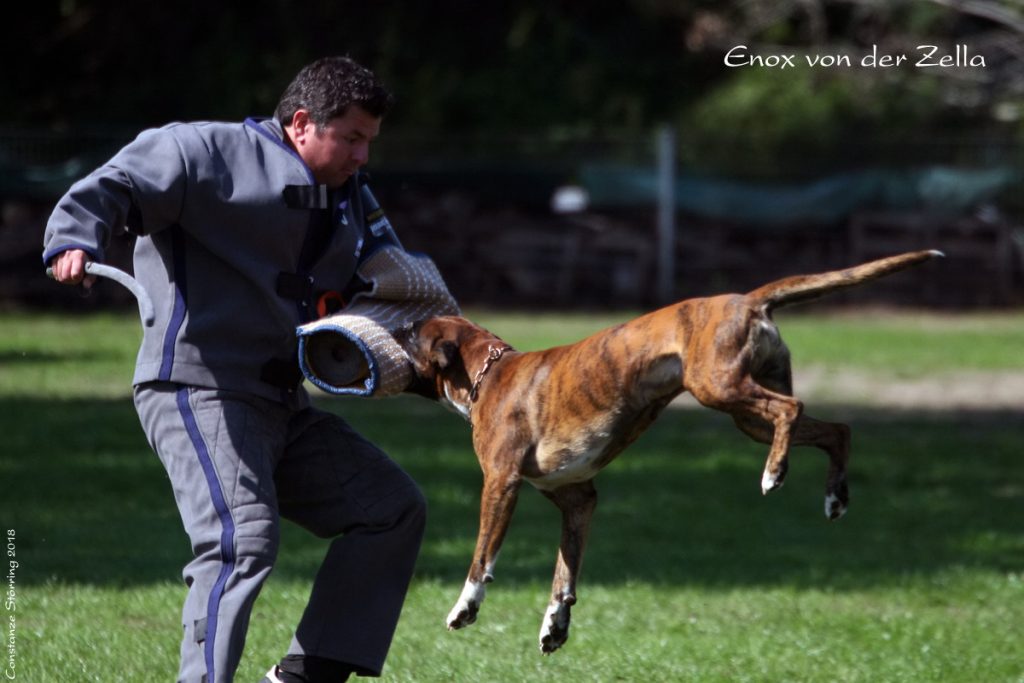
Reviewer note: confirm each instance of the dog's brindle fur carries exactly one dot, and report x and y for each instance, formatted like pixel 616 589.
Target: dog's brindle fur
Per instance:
pixel 556 417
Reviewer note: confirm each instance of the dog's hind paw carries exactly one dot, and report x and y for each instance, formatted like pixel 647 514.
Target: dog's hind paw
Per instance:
pixel 834 507
pixel 554 630
pixel 770 482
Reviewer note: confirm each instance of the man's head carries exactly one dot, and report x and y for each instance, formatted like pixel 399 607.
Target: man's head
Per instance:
pixel 331 112
pixel 328 87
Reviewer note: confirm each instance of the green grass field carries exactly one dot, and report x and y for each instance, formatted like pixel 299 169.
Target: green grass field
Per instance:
pixel 690 575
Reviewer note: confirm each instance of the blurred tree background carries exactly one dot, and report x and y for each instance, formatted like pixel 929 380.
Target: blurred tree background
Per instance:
pixel 573 68
pixel 542 82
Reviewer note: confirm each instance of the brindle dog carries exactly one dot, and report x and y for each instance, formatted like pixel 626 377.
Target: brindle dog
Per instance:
pixel 556 417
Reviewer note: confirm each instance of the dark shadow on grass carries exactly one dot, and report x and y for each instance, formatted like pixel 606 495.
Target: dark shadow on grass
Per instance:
pixel 38 357
pixel 931 491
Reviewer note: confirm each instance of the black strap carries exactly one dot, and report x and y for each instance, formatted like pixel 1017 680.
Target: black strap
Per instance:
pixel 319 201
pixel 307 197
pixel 323 205
pixel 322 223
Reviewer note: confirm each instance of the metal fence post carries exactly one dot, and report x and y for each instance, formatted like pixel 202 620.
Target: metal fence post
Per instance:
pixel 665 142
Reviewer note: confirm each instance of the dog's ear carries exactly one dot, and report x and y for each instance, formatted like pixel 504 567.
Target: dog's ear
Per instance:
pixel 446 353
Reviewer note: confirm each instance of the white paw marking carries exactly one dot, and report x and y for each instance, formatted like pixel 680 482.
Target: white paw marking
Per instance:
pixel 769 482
pixel 554 630
pixel 834 508
pixel 468 604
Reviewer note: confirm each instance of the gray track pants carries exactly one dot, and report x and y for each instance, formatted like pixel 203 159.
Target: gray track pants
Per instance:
pixel 237 464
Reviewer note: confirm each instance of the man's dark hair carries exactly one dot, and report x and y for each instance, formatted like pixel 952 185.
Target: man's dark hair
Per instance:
pixel 328 87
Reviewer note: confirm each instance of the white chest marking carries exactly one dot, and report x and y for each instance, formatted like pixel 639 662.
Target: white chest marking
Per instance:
pixel 451 403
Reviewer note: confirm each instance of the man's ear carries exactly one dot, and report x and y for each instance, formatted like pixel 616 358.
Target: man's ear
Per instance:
pixel 299 126
pixel 446 352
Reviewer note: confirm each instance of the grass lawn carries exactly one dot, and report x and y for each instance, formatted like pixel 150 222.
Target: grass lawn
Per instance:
pixel 691 574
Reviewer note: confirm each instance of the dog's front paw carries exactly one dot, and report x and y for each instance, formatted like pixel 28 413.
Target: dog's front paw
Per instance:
pixel 462 615
pixel 465 610
pixel 554 630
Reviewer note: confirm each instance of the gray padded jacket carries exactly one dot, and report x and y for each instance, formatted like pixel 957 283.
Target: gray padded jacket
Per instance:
pixel 235 244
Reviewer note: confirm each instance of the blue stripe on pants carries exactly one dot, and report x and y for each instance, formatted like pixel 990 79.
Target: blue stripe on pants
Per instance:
pixel 227 536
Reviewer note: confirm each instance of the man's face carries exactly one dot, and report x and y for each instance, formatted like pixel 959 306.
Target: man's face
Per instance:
pixel 336 151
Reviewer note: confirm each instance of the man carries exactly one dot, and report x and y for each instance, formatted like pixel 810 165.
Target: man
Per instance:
pixel 243 229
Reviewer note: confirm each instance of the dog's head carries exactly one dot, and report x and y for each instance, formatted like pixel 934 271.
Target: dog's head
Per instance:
pixel 441 349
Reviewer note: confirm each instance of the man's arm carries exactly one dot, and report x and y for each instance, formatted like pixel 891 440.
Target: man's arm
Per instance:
pixel 142 188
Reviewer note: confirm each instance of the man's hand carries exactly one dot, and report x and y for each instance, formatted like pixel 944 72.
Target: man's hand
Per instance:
pixel 69 268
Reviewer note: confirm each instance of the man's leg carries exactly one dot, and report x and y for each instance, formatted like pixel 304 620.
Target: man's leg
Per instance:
pixel 219 450
pixel 338 485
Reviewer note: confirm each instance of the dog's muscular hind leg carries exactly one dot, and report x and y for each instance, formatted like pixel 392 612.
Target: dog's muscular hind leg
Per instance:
pixel 782 412
pixel 497 501
pixel 577 503
pixel 831 437
pixel 750 403
pixel 834 439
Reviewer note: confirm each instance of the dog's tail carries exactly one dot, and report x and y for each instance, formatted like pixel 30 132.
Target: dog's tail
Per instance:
pixel 799 288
